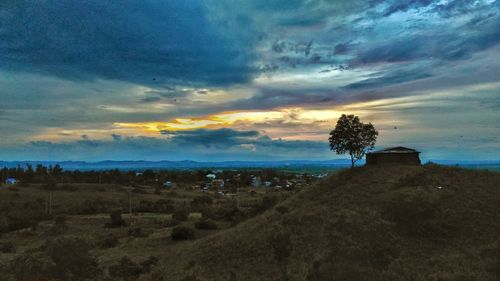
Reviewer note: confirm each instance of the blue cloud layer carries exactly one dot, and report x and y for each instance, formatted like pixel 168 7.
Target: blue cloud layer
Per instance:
pixel 147 42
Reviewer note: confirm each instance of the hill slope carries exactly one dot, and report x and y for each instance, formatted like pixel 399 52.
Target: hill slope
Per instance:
pixel 389 223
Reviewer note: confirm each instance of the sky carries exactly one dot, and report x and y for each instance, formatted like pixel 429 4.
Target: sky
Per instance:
pixel 218 80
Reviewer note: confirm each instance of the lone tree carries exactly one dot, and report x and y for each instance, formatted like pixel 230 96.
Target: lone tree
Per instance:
pixel 353 137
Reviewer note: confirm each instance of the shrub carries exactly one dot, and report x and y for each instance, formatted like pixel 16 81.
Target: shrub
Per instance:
pixel 110 241
pixel 147 264
pixel 33 266
pixel 139 190
pixel 71 258
pixel 282 209
pixel 50 185
pixel 68 187
pixel 125 269
pixel 7 247
pixel 267 203
pixel 59 225
pixel 136 232
pixel 180 215
pixel 60 220
pixel 4 224
pixel 95 206
pixel 206 224
pixel 145 206
pixel 116 219
pixel 201 201
pixel 171 223
pixel 164 206
pixel 13 188
pixel 417 212
pixel 182 233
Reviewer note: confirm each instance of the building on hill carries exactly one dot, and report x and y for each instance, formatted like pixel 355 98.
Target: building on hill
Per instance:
pixel 393 155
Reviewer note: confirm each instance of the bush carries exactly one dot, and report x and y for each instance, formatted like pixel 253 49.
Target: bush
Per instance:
pixel 125 269
pixel 145 206
pixel 139 190
pixel 267 203
pixel 60 259
pixel 206 224
pixel 68 187
pixel 171 223
pixel 182 233
pixel 201 201
pixel 50 185
pixel 147 264
pixel 96 206
pixel 417 212
pixel 116 220
pixel 59 225
pixel 282 209
pixel 164 206
pixel 136 232
pixel 7 247
pixel 109 241
pixel 33 266
pixel 180 215
pixel 13 188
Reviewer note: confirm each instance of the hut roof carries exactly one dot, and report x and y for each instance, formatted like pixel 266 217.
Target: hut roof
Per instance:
pixel 397 149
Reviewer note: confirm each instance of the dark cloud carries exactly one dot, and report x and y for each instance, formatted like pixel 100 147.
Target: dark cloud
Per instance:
pixel 200 145
pixel 396 77
pixel 226 138
pixel 220 138
pixel 150 99
pixel 147 42
pixel 405 5
pixel 273 97
pixel 443 46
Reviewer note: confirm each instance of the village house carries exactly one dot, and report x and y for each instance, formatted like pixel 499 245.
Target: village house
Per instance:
pixel 10 181
pixel 393 155
pixel 256 181
pixel 218 183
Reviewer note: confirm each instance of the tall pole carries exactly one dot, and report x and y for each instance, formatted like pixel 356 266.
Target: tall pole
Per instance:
pixel 130 205
pixel 50 204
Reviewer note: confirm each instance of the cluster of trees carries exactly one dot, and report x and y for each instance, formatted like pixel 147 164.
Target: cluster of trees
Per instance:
pixel 55 174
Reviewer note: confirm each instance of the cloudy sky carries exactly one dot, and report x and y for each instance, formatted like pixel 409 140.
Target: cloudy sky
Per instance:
pixel 216 80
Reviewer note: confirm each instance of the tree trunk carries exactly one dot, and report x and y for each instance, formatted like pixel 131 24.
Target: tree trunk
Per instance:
pixel 352 161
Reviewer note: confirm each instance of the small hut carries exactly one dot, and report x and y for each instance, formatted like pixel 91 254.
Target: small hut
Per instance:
pixel 394 155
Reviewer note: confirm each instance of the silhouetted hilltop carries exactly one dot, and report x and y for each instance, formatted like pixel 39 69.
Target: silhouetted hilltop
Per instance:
pixel 372 223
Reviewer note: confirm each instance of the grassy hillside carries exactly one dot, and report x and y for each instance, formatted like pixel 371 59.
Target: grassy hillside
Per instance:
pixel 388 223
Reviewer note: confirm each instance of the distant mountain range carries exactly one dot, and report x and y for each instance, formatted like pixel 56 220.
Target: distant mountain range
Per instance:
pixel 156 165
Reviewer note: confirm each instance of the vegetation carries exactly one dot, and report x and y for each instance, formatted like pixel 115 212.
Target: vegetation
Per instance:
pixel 60 259
pixel 353 137
pixel 206 224
pixel 366 223
pixel 182 233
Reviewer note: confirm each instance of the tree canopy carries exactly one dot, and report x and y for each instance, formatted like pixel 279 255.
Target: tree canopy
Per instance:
pixel 353 137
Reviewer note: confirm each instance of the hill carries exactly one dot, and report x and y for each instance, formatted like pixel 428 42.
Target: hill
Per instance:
pixel 371 223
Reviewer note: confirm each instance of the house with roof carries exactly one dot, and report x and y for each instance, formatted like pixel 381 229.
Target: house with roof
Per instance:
pixel 394 155
pixel 10 181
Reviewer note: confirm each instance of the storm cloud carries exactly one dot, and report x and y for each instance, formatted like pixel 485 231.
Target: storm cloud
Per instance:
pixel 146 42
